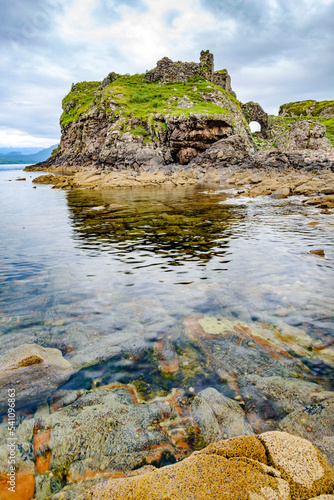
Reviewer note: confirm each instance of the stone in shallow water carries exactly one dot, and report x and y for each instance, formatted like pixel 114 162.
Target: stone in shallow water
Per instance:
pixel 236 349
pixel 275 397
pixel 34 372
pixel 314 422
pixel 219 416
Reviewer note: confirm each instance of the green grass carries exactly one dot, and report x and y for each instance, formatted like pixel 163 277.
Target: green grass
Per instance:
pixel 79 99
pixel 139 99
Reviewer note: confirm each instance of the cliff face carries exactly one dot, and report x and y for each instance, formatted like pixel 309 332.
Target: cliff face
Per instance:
pixel 134 122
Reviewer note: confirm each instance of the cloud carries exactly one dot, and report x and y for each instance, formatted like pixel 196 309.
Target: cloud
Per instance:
pixel 275 50
pixel 13 137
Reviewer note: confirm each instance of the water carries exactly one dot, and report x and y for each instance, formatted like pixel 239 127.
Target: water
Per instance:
pixel 85 271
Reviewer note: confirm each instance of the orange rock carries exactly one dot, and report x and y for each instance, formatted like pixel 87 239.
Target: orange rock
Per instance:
pixel 167 355
pixel 24 487
pixel 42 450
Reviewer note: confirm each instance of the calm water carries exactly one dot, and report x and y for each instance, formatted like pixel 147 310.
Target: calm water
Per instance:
pixel 84 270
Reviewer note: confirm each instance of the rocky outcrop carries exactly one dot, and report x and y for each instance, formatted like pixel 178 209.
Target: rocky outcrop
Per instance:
pixel 166 116
pixel 273 466
pixel 108 432
pixel 235 149
pixel 300 135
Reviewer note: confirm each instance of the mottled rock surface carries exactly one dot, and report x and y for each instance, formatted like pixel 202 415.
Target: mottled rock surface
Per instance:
pixel 274 466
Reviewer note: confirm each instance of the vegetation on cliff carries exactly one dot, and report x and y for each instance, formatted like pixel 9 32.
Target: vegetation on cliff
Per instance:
pixel 133 97
pixel 307 108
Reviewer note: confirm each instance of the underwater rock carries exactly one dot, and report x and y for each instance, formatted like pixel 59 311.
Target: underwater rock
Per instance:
pixel 314 422
pixel 167 354
pixel 236 349
pixel 34 372
pixel 219 416
pixel 275 397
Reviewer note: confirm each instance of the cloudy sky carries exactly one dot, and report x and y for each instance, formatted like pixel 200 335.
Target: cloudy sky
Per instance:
pixel 276 51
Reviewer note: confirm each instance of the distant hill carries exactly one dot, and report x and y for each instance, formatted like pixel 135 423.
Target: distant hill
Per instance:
pixel 17 157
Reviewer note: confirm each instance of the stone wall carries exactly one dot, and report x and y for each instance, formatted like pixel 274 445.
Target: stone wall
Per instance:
pixel 178 71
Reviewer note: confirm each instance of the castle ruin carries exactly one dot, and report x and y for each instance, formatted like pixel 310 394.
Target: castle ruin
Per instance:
pixel 177 71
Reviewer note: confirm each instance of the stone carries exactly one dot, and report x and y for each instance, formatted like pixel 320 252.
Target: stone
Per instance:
pixel 219 416
pixel 254 112
pixel 276 397
pixel 276 352
pixel 319 252
pixel 304 134
pixel 224 466
pixel 300 463
pixel 37 371
pixel 225 152
pixel 314 422
pixel 281 193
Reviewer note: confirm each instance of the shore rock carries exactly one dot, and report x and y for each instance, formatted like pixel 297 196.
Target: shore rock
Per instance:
pixel 234 469
pixel 305 134
pixel 225 152
pixel 300 463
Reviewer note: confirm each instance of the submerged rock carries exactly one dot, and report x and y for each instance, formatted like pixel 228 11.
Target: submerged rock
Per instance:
pixel 34 372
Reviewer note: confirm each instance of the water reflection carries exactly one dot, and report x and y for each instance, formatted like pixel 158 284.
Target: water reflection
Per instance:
pixel 175 225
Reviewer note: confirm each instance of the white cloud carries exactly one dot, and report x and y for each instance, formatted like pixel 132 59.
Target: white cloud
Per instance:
pixel 13 138
pixel 141 35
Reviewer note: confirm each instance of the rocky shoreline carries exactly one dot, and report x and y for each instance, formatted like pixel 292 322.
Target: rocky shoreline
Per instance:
pixel 266 173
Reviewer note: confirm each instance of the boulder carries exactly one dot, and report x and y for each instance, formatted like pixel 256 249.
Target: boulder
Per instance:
pixel 304 134
pixel 218 416
pixel 224 471
pixel 271 466
pixel 314 422
pixel 225 152
pixel 300 463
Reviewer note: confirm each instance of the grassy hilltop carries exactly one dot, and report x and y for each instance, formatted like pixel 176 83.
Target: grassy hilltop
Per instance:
pixel 131 97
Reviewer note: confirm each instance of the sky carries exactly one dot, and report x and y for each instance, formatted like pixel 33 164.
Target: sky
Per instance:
pixel 276 51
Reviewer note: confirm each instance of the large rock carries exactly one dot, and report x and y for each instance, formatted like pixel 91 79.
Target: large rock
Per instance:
pixel 314 422
pixel 108 432
pixel 225 471
pixel 304 134
pixel 301 464
pixel 225 152
pixel 34 372
pixel 218 416
pixel 236 469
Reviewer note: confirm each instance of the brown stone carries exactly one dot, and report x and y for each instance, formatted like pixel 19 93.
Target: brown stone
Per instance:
pixel 301 464
pixel 319 252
